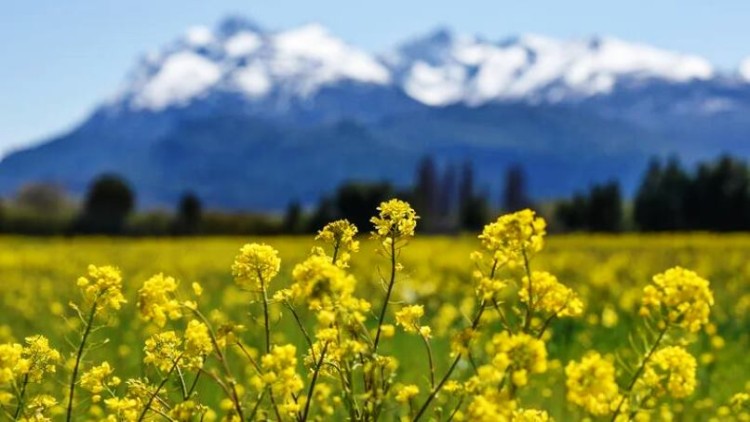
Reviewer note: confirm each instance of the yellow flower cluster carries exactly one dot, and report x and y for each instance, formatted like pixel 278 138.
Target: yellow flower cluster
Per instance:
pixel 670 370
pixel 681 296
pixel 200 367
pixel 157 302
pixel 39 406
pixel 320 283
pixel 37 359
pixel 405 393
pixel 255 266
pixel 280 374
pixel 10 355
pixel 520 354
pixel 492 406
pixel 97 379
pixel 591 384
pixel 396 220
pixel 163 350
pixel 198 344
pixel 513 238
pixel 341 234
pixel 408 318
pixel 123 409
pixel 102 288
pixel 549 295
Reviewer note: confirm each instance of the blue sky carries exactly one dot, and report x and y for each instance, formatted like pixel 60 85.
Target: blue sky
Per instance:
pixel 60 58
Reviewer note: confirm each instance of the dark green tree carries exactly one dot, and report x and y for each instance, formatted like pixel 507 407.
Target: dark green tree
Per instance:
pixel 515 196
pixel 660 201
pixel 189 214
pixel 718 197
pixel 108 203
pixel 292 218
pixel 604 211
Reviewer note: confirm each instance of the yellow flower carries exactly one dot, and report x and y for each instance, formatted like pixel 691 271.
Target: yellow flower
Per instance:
pixel 488 288
pixel 102 288
pixel 255 266
pixel 156 301
pixel 198 344
pixel 531 415
pixel 341 235
pixel 520 353
pixel 591 384
pixel 188 411
pixel 97 378
pixel 514 236
pixel 279 372
pixel 681 296
pixel 405 393
pixel 670 370
pixel 37 358
pixel 739 401
pixel 408 317
pixel 10 355
pixel 163 350
pixel 491 406
pixel 39 405
pixel 123 409
pixel 549 295
pixel 396 220
pixel 320 283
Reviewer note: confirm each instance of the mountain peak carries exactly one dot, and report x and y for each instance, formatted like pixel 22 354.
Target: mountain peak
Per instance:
pixel 234 24
pixel 438 68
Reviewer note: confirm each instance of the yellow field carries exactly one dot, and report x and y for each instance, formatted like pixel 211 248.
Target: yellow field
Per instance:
pixel 38 280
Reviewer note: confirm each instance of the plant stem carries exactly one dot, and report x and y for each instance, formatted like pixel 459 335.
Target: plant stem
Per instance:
pixel 313 381
pixel 430 360
pixel 530 302
pixel 387 295
pixel 266 322
pixel 158 389
pixel 640 370
pixel 21 395
pixel 446 377
pixel 227 372
pixel 79 355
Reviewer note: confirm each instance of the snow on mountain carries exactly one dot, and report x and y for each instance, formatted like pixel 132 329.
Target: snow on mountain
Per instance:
pixel 443 68
pixel 744 69
pixel 239 57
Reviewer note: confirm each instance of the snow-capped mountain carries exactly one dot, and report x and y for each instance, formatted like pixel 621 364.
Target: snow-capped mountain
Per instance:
pixel 249 117
pixel 443 68
pixel 241 58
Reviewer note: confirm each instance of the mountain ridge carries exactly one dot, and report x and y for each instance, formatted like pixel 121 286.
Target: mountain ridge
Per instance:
pixel 240 109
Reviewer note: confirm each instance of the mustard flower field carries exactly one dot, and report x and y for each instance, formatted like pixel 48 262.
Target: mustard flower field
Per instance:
pixel 375 323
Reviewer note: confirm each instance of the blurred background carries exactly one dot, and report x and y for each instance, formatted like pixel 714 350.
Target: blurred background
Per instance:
pixel 244 117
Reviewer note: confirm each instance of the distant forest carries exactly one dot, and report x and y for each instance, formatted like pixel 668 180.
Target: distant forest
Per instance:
pixel 712 196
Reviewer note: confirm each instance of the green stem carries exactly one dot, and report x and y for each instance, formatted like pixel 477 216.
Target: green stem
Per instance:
pixel 266 322
pixel 227 372
pixel 429 359
pixel 387 295
pixel 158 389
pixel 313 382
pixel 79 355
pixel 21 395
pixel 446 377
pixel 640 370
pixel 530 302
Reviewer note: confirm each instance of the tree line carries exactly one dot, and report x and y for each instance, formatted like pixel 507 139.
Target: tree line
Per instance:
pixel 714 196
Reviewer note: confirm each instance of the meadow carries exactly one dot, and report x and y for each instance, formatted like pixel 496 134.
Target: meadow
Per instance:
pixel 221 335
